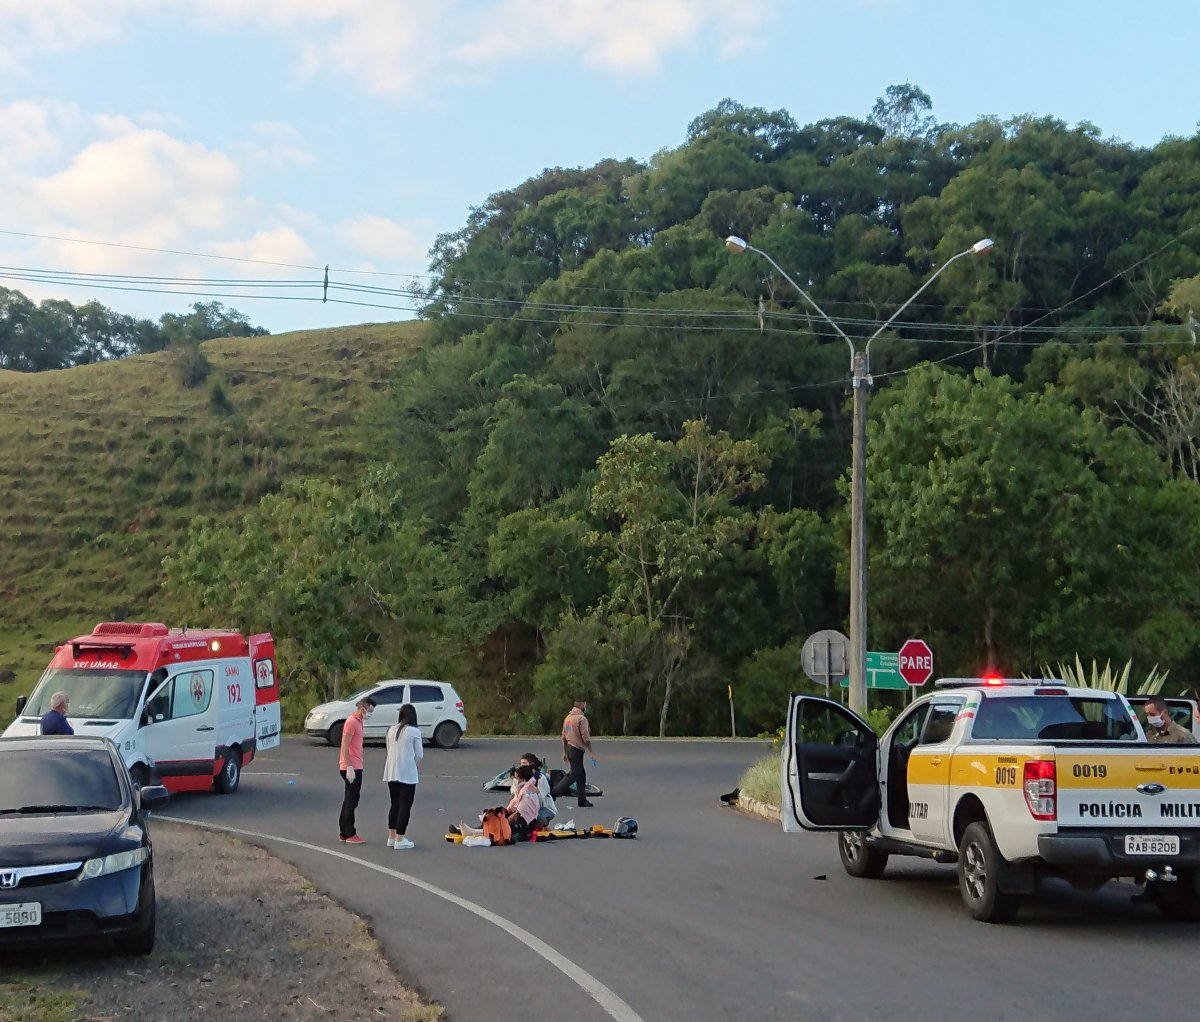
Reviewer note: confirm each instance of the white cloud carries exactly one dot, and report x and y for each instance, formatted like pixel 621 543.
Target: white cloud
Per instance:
pixel 376 237
pixel 138 175
pixel 411 47
pixel 279 244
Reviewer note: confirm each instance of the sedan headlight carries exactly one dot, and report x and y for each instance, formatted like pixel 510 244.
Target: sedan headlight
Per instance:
pixel 315 716
pixel 115 863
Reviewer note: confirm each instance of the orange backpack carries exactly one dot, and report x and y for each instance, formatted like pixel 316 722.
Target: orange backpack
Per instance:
pixel 497 827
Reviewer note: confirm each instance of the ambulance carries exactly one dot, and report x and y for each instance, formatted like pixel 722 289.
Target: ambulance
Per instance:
pixel 187 707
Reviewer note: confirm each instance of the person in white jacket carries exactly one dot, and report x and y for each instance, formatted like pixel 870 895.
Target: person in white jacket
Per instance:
pixel 404 751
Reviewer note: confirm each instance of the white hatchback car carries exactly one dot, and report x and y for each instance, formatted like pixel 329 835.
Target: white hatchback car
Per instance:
pixel 439 712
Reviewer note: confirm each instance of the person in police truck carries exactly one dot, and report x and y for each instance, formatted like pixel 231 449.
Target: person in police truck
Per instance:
pixel 1160 728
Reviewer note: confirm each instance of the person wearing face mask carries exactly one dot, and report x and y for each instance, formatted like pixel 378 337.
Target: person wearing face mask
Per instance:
pixel 522 809
pixel 1160 728
pixel 350 766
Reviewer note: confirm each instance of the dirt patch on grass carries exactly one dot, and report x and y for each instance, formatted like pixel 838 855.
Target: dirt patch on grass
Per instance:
pixel 241 935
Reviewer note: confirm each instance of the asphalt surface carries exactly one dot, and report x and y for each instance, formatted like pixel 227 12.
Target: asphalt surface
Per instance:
pixel 708 914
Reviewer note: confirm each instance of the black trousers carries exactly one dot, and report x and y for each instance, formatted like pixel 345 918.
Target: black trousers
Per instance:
pixel 349 803
pixel 401 808
pixel 577 775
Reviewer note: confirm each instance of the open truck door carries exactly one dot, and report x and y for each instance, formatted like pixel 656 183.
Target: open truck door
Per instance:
pixel 829 776
pixel 267 721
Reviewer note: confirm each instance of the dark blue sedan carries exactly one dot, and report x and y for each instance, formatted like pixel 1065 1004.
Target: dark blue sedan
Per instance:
pixel 76 862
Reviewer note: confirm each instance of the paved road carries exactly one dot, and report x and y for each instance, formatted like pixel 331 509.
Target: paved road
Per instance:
pixel 709 914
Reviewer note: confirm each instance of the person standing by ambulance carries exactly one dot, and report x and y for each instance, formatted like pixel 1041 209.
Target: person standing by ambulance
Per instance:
pixel 577 742
pixel 350 765
pixel 54 720
pixel 404 751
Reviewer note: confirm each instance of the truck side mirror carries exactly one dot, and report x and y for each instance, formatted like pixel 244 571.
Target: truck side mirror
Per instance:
pixel 21 701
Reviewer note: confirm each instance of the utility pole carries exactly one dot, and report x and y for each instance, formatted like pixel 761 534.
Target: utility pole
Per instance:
pixel 860 380
pixel 861 383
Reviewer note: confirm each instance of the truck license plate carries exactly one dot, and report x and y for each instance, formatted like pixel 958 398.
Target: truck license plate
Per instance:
pixel 28 913
pixel 1151 844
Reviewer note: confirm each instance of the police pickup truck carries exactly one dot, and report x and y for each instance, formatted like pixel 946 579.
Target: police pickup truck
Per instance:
pixel 1012 780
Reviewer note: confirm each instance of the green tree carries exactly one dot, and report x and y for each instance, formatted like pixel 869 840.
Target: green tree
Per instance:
pixel 1009 529
pixel 333 570
pixel 671 512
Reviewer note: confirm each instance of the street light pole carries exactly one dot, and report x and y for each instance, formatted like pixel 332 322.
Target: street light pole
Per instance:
pixel 860 381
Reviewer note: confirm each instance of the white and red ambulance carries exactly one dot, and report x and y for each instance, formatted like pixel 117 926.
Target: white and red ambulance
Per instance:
pixel 190 707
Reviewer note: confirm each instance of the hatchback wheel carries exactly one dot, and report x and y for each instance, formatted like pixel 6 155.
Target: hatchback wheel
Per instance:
pixel 446 734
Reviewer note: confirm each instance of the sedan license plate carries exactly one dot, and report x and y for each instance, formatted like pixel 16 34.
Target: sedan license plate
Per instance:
pixel 1151 844
pixel 27 914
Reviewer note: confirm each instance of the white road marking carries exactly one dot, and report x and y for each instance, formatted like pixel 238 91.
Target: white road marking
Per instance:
pixel 616 1008
pixel 271 773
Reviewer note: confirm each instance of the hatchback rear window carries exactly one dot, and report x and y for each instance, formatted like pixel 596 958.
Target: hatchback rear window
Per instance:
pixel 58 780
pixel 1054 718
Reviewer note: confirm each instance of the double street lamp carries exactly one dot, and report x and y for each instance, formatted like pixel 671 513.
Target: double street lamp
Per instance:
pixel 860 379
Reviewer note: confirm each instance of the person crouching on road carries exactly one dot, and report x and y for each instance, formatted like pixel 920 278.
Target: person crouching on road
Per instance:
pixel 350 765
pixel 54 720
pixel 521 811
pixel 404 752
pixel 547 810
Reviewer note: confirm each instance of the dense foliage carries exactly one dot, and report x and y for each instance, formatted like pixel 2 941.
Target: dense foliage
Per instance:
pixel 628 447
pixel 55 334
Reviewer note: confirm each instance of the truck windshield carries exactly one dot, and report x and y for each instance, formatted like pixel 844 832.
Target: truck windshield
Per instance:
pixel 94 692
pixel 1053 717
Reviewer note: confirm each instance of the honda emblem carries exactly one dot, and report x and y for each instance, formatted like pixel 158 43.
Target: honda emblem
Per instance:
pixel 8 878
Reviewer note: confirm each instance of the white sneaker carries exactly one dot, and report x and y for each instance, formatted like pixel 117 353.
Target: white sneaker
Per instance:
pixel 391 842
pixel 403 843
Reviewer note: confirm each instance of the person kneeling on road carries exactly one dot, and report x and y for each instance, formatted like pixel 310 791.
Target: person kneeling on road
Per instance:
pixel 547 809
pixel 522 809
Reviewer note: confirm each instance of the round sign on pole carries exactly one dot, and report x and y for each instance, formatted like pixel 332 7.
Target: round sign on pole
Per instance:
pixel 916 662
pixel 826 657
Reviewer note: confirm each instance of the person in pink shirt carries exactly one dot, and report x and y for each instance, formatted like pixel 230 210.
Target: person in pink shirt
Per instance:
pixel 350 766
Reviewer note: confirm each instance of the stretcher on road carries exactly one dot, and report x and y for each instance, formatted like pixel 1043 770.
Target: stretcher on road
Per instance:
pixel 624 828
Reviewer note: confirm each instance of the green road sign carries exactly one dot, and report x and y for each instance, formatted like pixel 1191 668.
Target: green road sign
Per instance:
pixel 883 671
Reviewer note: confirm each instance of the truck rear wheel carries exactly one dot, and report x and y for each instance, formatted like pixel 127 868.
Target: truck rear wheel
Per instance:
pixel 859 859
pixel 1177 901
pixel 231 773
pixel 979 867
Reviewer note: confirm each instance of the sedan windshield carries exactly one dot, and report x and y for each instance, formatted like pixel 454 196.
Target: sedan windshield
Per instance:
pixel 94 692
pixel 58 781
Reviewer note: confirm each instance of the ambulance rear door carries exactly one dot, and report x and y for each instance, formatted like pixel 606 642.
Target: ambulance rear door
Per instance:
pixel 267 724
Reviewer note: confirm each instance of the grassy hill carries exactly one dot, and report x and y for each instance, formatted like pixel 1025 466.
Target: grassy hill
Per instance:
pixel 102 467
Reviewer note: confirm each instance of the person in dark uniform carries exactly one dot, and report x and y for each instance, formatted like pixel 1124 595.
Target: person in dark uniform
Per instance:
pixel 54 720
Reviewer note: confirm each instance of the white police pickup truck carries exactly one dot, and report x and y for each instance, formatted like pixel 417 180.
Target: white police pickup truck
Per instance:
pixel 1013 780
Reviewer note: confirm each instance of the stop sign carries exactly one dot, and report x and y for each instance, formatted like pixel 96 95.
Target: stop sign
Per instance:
pixel 916 662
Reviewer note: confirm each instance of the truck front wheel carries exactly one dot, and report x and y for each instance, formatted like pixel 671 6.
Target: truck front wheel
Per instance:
pixel 859 859
pixel 979 867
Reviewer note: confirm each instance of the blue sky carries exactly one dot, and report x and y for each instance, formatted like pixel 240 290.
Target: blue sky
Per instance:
pixel 210 140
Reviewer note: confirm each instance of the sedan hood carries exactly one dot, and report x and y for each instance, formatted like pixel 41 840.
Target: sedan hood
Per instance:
pixel 66 837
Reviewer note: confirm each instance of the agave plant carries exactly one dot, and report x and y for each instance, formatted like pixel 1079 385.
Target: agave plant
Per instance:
pixel 1107 679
